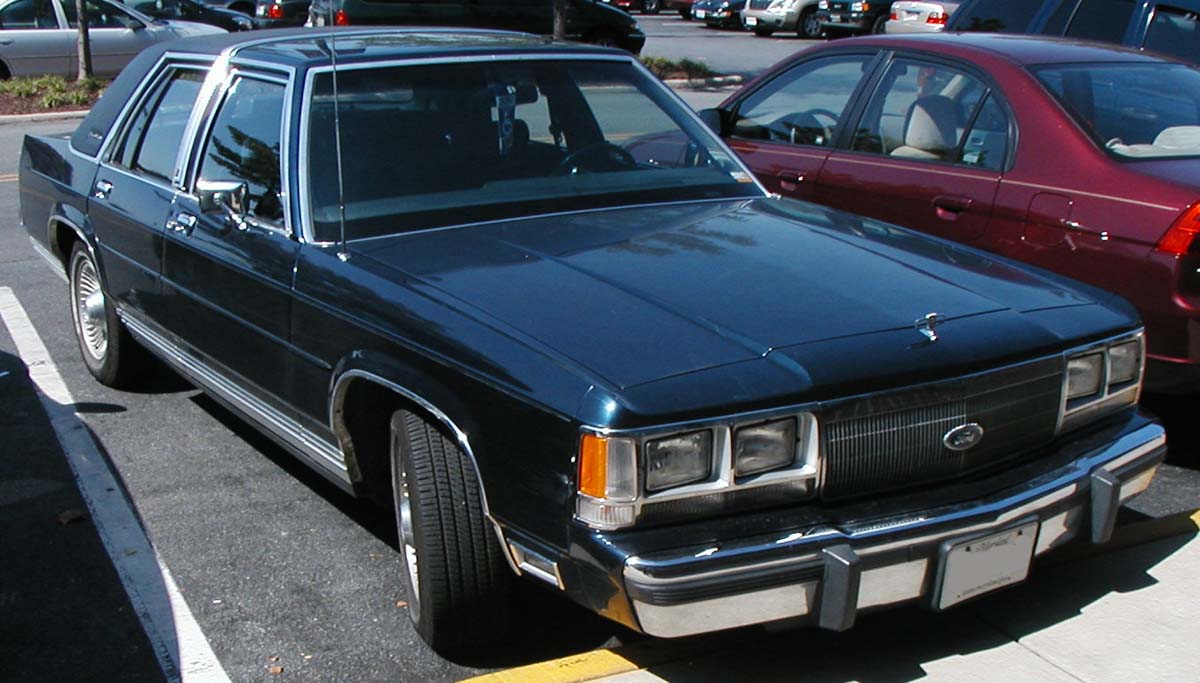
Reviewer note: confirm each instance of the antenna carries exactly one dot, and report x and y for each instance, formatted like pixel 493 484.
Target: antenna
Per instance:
pixel 342 254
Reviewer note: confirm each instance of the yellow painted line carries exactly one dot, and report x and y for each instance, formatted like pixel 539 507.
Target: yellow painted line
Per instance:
pixel 8 177
pixel 583 667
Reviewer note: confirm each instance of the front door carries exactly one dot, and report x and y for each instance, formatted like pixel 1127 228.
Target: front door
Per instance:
pixel 230 280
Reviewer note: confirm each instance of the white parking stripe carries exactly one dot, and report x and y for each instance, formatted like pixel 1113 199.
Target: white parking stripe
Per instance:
pixel 180 645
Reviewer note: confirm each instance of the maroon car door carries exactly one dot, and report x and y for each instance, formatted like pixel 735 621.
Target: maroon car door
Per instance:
pixel 927 152
pixel 785 129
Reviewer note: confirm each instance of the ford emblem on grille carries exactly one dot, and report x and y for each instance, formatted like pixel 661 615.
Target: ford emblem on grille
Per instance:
pixel 963 437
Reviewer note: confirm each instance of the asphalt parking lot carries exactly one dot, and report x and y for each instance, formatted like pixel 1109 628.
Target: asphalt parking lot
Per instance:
pixel 274 575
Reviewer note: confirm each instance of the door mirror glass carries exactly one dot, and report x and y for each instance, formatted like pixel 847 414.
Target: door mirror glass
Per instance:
pixel 227 196
pixel 713 119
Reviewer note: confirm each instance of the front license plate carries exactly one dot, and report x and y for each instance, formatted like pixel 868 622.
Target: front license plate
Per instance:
pixel 983 564
pixel 752 21
pixel 700 13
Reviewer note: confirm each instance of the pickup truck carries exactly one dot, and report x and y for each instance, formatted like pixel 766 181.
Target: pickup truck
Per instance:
pixel 518 292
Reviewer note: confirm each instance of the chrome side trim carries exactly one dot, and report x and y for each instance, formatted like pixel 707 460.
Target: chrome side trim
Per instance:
pixel 536 564
pixel 321 453
pixel 337 422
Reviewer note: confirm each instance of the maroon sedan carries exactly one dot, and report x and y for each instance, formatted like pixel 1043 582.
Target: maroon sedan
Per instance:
pixel 1077 157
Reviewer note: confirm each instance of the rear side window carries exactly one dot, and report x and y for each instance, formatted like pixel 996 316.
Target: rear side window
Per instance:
pixel 152 141
pixel 28 14
pixel 1000 16
pixel 1104 20
pixel 1174 32
pixel 803 105
pixel 244 145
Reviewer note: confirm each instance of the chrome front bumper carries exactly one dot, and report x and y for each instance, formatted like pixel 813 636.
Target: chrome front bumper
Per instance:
pixel 831 572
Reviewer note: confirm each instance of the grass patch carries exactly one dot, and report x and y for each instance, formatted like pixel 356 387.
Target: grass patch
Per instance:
pixel 691 69
pixel 49 92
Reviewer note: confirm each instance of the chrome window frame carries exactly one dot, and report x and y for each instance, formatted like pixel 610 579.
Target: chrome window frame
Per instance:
pixel 304 198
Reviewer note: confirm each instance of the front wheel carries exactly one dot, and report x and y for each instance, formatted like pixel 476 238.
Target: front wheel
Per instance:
pixel 109 353
pixel 809 25
pixel 459 584
pixel 880 24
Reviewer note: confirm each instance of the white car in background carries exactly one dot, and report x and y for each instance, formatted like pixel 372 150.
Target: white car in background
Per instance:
pixel 37 37
pixel 765 17
pixel 917 16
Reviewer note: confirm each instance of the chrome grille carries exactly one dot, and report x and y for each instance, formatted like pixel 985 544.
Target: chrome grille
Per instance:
pixel 759 4
pixel 893 440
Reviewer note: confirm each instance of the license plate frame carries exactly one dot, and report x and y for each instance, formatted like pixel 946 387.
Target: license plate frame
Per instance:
pixel 752 21
pixel 979 564
pixel 837 18
pixel 700 14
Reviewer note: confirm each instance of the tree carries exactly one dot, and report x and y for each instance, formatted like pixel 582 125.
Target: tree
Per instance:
pixel 84 44
pixel 560 19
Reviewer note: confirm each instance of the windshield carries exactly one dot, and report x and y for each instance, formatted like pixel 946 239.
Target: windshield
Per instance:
pixel 433 145
pixel 1136 111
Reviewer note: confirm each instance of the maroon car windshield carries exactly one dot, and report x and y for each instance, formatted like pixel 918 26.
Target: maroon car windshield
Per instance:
pixel 1134 110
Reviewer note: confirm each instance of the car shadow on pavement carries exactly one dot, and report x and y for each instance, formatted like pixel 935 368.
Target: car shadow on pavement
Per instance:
pixel 66 613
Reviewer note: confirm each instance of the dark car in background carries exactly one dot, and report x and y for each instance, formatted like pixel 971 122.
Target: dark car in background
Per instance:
pixel 1077 157
pixel 719 13
pixel 843 17
pixel 588 21
pixel 192 10
pixel 683 7
pixel 1169 27
pixel 643 6
pixel 444 271
pixel 280 13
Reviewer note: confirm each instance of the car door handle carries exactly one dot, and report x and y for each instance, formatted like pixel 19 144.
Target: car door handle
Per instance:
pixel 949 207
pixel 6 41
pixel 181 223
pixel 103 189
pixel 789 181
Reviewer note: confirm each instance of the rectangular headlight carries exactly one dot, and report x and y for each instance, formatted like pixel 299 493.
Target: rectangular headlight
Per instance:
pixel 678 460
pixel 1124 362
pixel 1084 375
pixel 764 447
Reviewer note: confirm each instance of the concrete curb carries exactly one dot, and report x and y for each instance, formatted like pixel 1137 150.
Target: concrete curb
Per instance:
pixel 702 83
pixel 589 666
pixel 42 116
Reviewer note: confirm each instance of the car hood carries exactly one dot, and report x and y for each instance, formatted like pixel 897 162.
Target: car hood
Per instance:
pixel 640 294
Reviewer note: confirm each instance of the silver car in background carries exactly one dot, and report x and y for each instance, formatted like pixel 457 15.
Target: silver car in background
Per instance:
pixel 37 37
pixel 765 17
pixel 918 16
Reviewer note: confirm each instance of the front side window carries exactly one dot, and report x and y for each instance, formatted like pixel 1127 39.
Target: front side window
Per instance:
pixel 919 111
pixel 27 14
pixel 1135 111
pixel 802 106
pixel 1174 32
pixel 101 14
pixel 1104 20
pixel 1001 16
pixel 152 141
pixel 433 145
pixel 244 146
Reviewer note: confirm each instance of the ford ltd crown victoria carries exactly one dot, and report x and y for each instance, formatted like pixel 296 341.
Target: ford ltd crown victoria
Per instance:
pixel 518 291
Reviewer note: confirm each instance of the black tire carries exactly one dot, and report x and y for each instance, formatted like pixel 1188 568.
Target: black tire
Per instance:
pixel 459 584
pixel 651 6
pixel 110 354
pixel 762 32
pixel 809 25
pixel 880 24
pixel 4 73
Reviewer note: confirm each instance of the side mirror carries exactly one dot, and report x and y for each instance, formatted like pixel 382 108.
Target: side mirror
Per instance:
pixel 714 119
pixel 226 196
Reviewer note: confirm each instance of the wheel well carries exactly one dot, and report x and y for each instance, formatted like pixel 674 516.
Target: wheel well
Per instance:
pixel 5 74
pixel 64 237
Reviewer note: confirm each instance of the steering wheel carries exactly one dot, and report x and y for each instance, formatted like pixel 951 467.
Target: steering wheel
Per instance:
pixel 598 156
pixel 801 126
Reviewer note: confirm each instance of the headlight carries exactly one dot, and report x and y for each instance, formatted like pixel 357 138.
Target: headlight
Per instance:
pixel 764 447
pixel 1124 362
pixel 1101 379
pixel 1084 375
pixel 860 7
pixel 678 460
pixel 823 4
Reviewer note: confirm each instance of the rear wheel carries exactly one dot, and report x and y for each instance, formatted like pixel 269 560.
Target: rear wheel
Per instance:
pixel 809 25
pixel 459 584
pixel 880 24
pixel 109 353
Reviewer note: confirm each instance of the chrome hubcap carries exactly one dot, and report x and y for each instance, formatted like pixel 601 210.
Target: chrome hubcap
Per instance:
pixel 812 26
pixel 408 542
pixel 90 317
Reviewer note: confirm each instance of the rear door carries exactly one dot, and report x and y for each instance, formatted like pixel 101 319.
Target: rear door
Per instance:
pixel 116 35
pixel 32 40
pixel 785 129
pixel 927 151
pixel 1173 29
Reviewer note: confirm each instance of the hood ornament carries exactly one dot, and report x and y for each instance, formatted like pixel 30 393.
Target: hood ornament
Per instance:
pixel 928 325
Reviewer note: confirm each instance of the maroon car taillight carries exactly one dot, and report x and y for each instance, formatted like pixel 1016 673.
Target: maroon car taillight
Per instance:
pixel 936 18
pixel 1179 238
pixel 340 18
pixel 275 12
